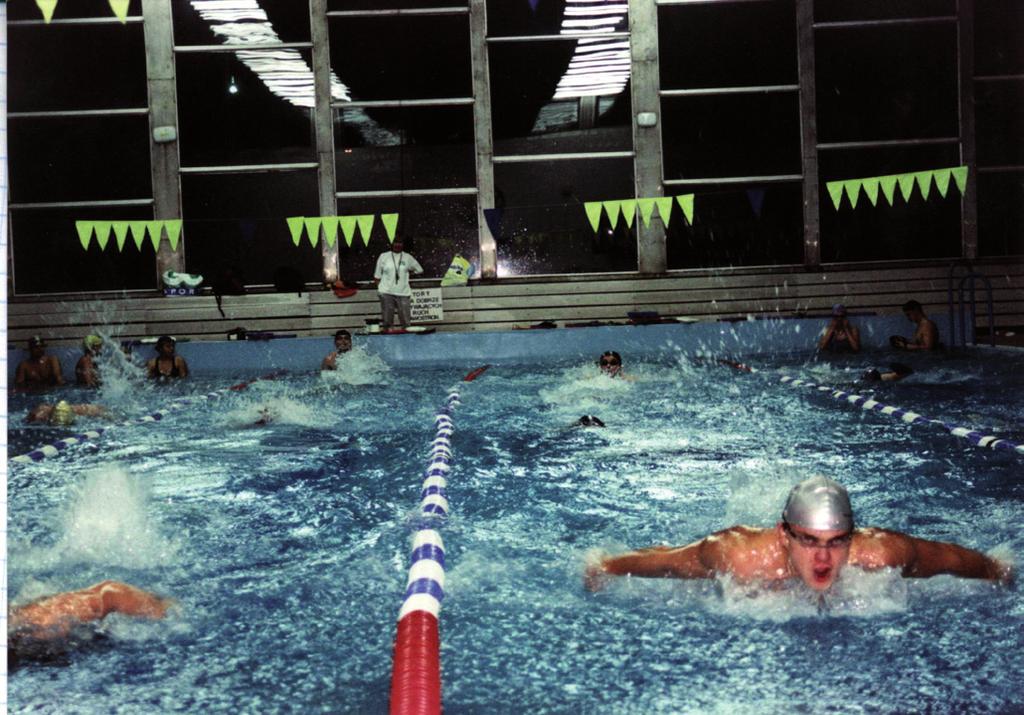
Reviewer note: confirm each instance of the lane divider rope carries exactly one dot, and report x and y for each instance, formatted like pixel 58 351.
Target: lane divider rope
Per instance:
pixel 910 417
pixel 55 448
pixel 416 668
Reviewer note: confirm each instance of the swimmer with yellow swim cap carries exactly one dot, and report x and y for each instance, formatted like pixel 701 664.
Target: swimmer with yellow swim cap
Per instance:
pixel 86 371
pixel 63 414
pixel 813 542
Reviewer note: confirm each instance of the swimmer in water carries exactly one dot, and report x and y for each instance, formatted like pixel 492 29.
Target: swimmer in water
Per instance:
pixel 896 371
pixel 342 344
pixel 86 371
pixel 166 364
pixel 39 369
pixel 47 625
pixel 813 542
pixel 63 414
pixel 590 421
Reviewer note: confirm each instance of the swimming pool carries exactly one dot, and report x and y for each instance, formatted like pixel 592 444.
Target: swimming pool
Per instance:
pixel 287 544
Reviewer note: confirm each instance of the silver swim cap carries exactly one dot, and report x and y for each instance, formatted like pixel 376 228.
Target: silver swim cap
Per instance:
pixel 819 503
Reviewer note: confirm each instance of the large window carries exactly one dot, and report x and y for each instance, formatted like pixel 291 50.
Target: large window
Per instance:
pixel 78 148
pixel 731 132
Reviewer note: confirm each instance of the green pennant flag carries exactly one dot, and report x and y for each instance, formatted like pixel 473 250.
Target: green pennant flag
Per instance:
pixel 835 190
pixel 924 182
pixel 120 8
pixel 103 233
pixel 852 189
pixel 960 177
pixel 84 229
pixel 120 233
pixel 390 222
pixel 906 182
pixel 613 208
pixel 348 228
pixel 173 227
pixel 47 7
pixel 593 209
pixel 365 227
pixel 312 230
pixel 871 189
pixel 664 204
pixel 942 177
pixel 138 232
pixel 686 204
pixel 295 224
pixel 646 209
pixel 330 225
pixel 154 228
pixel 888 184
pixel 629 211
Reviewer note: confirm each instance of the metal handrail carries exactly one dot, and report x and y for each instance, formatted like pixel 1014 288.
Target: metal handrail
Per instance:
pixel 957 309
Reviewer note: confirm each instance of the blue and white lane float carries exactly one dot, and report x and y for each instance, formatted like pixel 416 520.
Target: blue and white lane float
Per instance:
pixel 55 448
pixel 416 669
pixel 910 417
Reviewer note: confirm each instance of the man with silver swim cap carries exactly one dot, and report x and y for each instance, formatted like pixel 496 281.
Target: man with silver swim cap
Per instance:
pixel 813 542
pixel 819 503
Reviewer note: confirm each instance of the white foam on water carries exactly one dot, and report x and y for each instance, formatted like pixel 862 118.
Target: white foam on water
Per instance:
pixel 107 522
pixel 357 367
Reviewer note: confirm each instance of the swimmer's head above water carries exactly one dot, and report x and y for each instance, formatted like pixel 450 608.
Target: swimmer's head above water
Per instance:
pixel 62 415
pixel 610 363
pixel 590 421
pixel 819 503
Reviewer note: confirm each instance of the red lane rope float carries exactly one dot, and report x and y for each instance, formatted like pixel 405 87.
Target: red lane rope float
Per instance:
pixel 416 669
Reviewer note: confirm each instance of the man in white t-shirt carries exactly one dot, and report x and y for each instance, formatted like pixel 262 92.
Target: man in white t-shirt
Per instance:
pixel 392 280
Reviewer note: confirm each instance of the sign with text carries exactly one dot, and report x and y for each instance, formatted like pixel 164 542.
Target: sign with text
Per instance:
pixel 426 305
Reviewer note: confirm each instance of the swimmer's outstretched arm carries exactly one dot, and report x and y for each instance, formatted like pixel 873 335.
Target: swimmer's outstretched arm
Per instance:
pixel 921 558
pixel 692 561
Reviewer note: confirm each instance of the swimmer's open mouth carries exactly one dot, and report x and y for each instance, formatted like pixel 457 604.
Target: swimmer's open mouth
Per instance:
pixel 822 573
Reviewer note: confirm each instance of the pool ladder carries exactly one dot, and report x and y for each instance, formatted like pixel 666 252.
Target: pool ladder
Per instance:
pixel 958 307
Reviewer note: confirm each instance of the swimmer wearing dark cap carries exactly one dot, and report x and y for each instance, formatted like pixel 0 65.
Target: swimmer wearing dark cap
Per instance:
pixel 813 542
pixel 590 421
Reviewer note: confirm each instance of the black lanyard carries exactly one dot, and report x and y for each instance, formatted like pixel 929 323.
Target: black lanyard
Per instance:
pixel 395 264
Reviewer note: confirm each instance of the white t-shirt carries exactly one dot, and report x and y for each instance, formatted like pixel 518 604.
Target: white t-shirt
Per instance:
pixel 393 272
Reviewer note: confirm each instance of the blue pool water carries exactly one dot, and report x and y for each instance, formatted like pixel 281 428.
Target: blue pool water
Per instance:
pixel 286 545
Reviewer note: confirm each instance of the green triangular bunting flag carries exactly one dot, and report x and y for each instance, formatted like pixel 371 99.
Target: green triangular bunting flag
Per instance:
pixel 613 208
pixel 593 209
pixel 646 209
pixel 888 184
pixel 906 182
pixel 120 8
pixel 103 233
pixel 835 190
pixel 47 7
pixel 154 228
pixel 173 227
pixel 871 189
pixel 664 204
pixel 138 232
pixel 365 227
pixel 295 224
pixel 330 230
pixel 852 189
pixel 84 229
pixel 120 233
pixel 629 211
pixel 924 182
pixel 960 177
pixel 942 177
pixel 313 229
pixel 390 222
pixel 348 228
pixel 686 204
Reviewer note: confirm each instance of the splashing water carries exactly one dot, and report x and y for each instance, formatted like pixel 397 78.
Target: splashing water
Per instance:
pixel 107 523
pixel 357 367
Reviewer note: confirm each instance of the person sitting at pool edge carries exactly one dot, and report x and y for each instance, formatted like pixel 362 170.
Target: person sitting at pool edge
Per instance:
pixel 38 369
pixel 840 335
pixel 38 626
pixel 86 372
pixel 166 364
pixel 342 344
pixel 815 539
pixel 926 337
